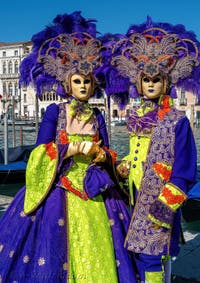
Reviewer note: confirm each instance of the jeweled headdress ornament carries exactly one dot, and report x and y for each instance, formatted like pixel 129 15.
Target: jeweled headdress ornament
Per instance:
pixel 159 48
pixel 68 46
pixel 67 54
pixel 151 55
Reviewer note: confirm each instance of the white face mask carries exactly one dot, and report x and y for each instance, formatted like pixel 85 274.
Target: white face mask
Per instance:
pixel 152 88
pixel 81 87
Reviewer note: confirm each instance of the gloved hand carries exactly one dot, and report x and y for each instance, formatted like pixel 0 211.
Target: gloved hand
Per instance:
pixel 98 152
pixel 100 156
pixel 79 148
pixel 86 148
pixel 124 168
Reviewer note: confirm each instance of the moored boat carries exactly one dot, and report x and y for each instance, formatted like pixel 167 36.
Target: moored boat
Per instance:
pixel 14 171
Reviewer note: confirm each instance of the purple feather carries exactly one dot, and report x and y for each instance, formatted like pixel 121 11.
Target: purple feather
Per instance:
pixel 33 72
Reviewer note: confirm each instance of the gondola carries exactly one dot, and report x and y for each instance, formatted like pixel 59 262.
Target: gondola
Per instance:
pixel 191 208
pixel 14 171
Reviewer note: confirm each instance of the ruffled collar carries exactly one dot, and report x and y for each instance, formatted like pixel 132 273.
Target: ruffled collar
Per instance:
pixel 79 109
pixel 145 117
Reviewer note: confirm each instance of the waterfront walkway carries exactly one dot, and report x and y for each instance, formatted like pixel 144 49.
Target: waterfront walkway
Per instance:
pixel 185 268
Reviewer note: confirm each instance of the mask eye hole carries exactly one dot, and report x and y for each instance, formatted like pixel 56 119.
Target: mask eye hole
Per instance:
pixel 77 81
pixel 146 80
pixel 156 80
pixel 87 81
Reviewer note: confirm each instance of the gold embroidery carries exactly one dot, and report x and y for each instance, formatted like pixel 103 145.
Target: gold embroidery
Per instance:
pixel 118 263
pixel 112 222
pixel 22 214
pixel 1 248
pixel 61 222
pixel 121 216
pixel 65 266
pixel 41 261
pixel 11 254
pixel 142 238
pixel 26 259
pixel 33 218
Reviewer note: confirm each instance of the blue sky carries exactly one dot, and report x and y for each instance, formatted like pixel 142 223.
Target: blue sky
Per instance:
pixel 20 19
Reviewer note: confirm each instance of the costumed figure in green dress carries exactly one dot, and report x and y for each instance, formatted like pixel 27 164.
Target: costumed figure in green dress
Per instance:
pixel 69 222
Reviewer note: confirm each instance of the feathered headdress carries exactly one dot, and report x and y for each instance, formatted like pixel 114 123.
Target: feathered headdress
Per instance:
pixel 159 48
pixel 66 47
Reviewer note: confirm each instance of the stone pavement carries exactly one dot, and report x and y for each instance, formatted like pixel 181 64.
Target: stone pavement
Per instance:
pixel 177 279
pixel 4 202
pixel 185 267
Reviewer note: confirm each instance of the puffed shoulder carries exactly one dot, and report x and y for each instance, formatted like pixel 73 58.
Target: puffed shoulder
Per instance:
pixel 52 111
pixel 183 127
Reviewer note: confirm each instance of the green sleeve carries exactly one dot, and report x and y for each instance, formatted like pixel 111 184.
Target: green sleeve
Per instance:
pixel 40 174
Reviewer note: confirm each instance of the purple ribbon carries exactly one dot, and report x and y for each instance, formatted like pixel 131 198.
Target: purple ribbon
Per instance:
pixel 142 124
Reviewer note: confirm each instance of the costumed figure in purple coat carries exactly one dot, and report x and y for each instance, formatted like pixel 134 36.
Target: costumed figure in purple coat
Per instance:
pixel 69 222
pixel 160 168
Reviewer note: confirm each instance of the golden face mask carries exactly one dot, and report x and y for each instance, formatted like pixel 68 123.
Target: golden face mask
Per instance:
pixel 81 86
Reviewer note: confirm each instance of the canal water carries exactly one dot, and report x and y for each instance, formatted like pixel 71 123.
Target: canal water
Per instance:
pixel 119 138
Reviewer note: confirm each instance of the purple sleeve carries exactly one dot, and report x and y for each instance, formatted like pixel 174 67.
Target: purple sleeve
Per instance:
pixel 184 169
pixel 47 131
pixel 103 134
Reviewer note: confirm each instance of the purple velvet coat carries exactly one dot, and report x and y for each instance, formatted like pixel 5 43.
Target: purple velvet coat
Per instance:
pixel 171 143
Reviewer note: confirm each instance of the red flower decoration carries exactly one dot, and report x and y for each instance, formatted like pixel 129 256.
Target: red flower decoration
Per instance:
pixel 165 107
pixel 68 185
pixel 162 170
pixel 51 150
pixel 63 137
pixel 171 198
